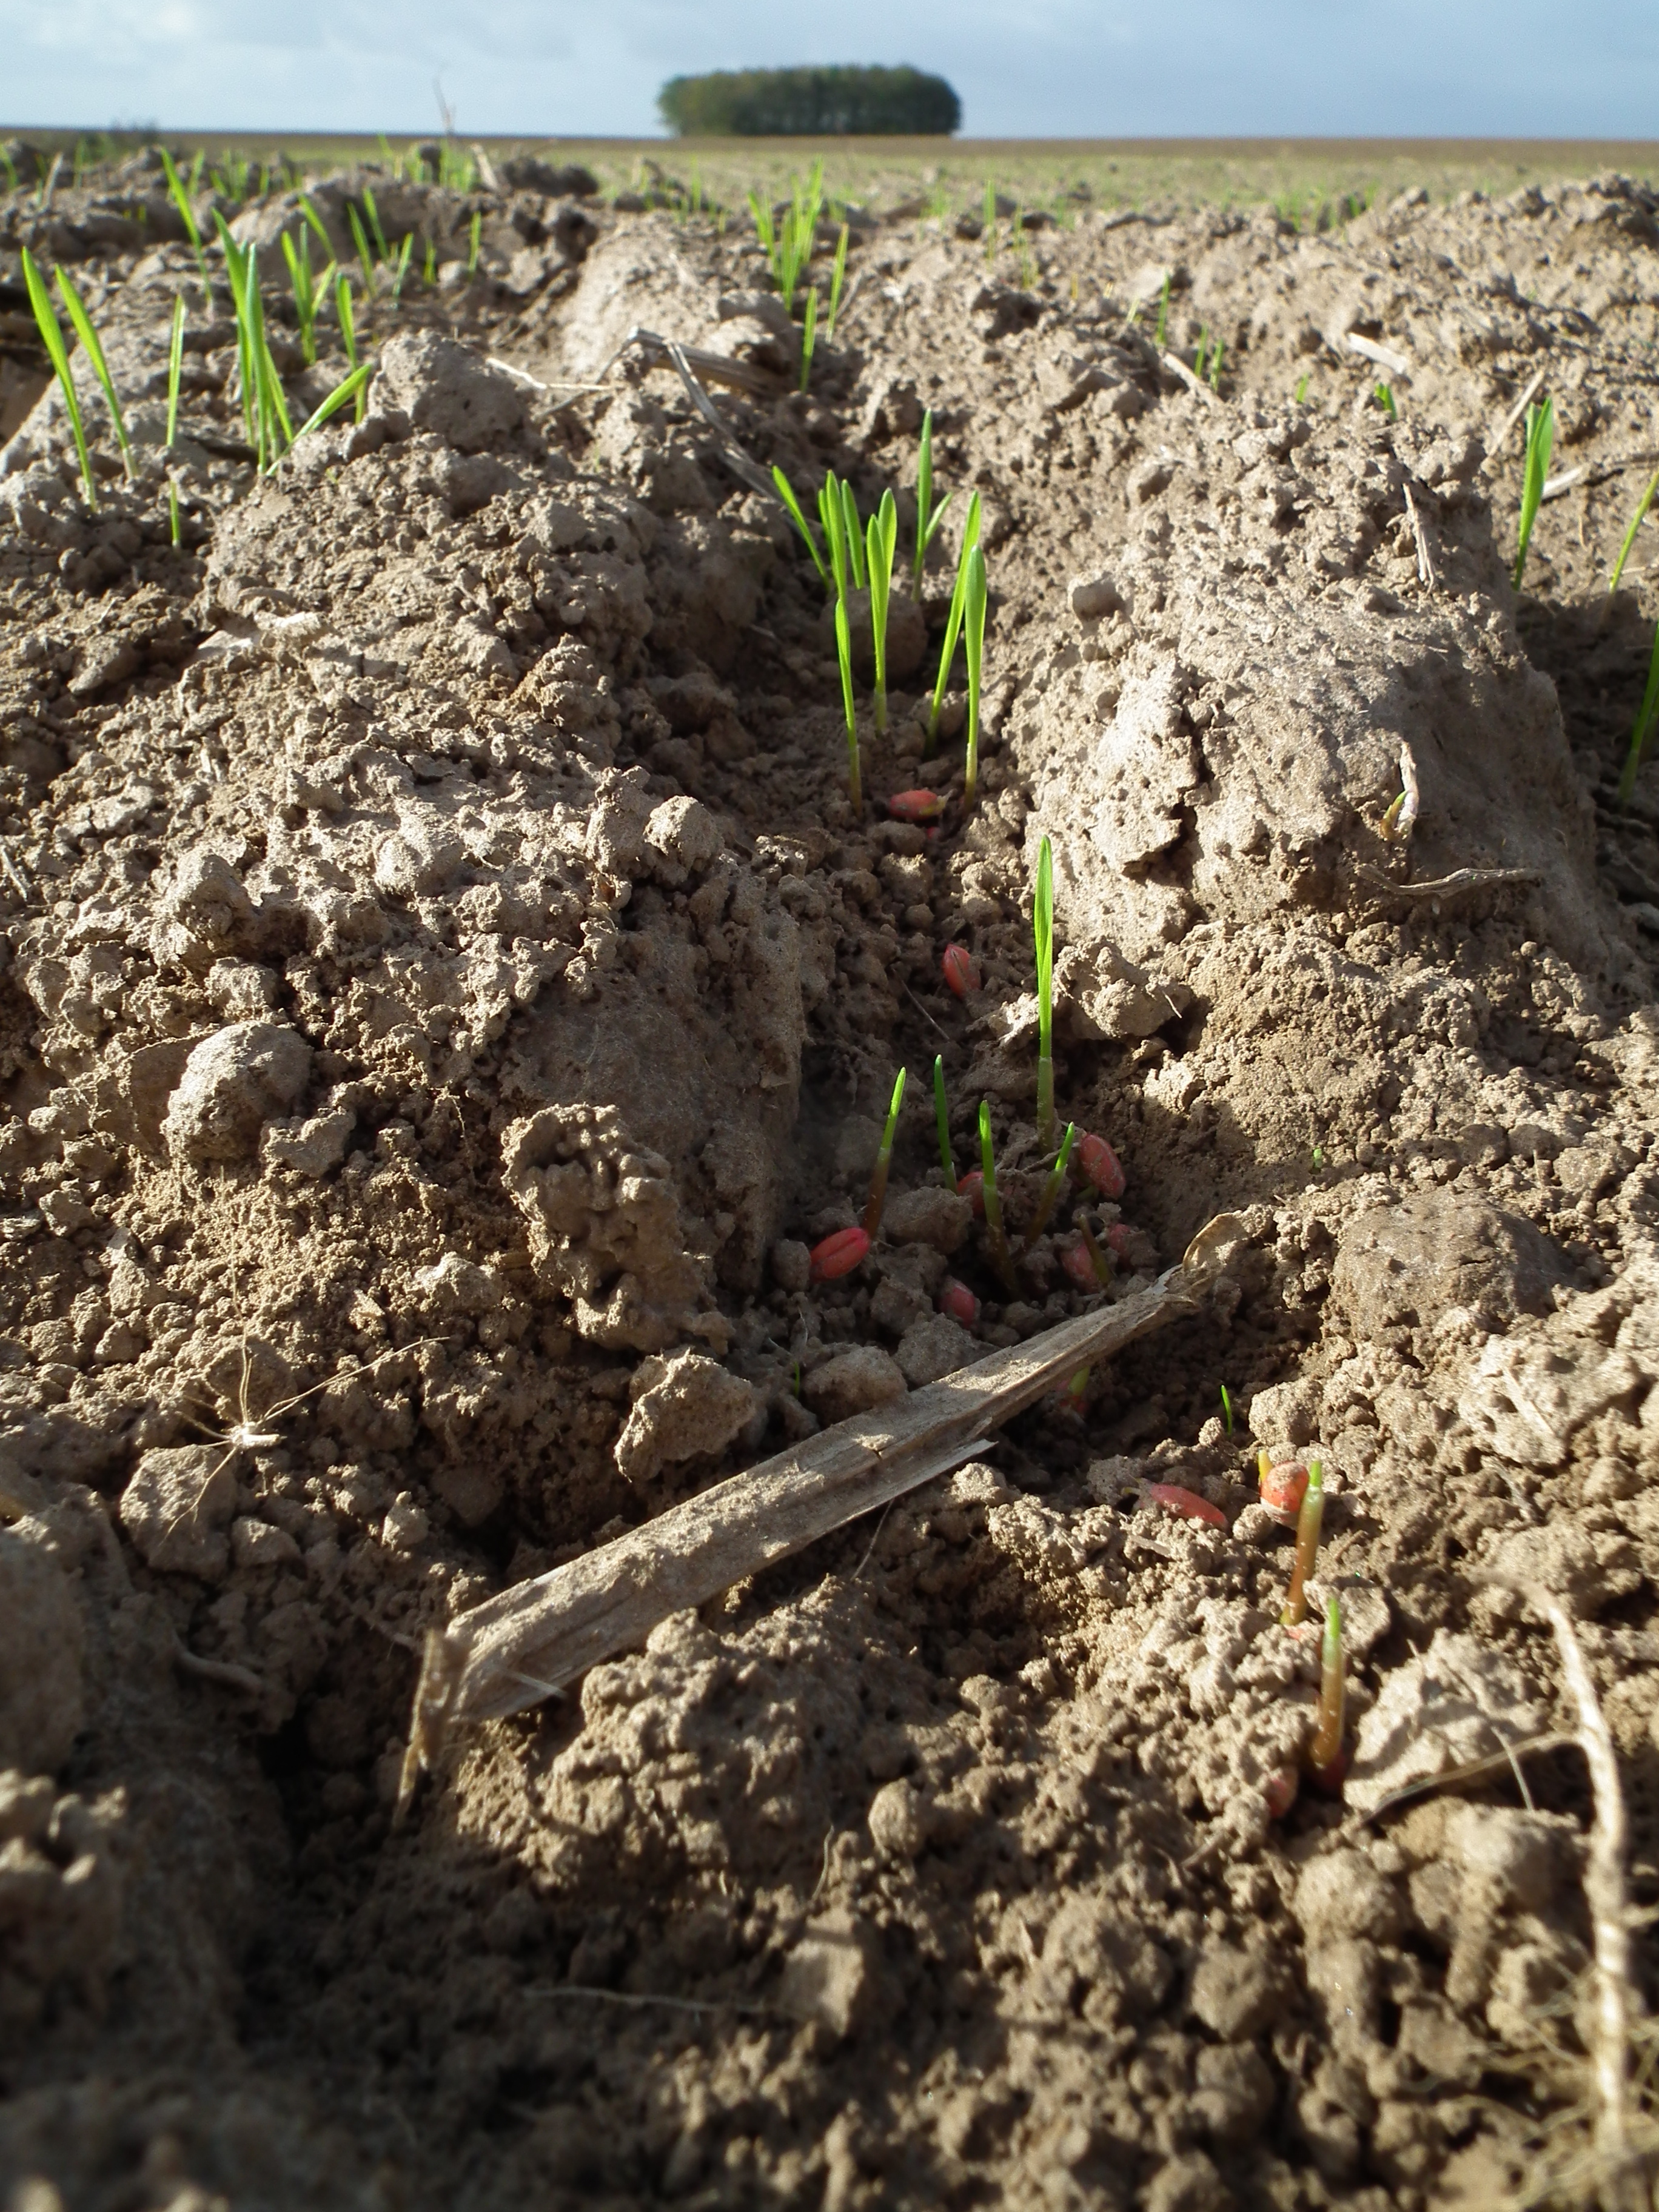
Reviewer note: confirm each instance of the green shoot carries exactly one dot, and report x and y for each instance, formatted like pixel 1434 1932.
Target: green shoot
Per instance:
pixel 1051 1189
pixel 809 332
pixel 182 200
pixel 883 540
pixel 348 330
pixel 235 267
pixel 1385 398
pixel 1215 365
pixel 765 230
pixel 52 335
pixel 429 266
pixel 1638 736
pixel 844 653
pixel 1226 1410
pixel 973 610
pixel 1636 521
pixel 833 515
pixel 382 250
pixel 1042 927
pixel 94 350
pixel 953 624
pixel 350 387
pixel 995 1234
pixel 1307 1546
pixel 307 289
pixel 361 244
pixel 837 278
pixel 1097 1260
pixel 872 1211
pixel 401 267
pixel 855 534
pixel 928 517
pixel 175 370
pixel 941 1115
pixel 1162 330
pixel 1540 437
pixel 1302 384
pixel 786 494
pixel 10 168
pixel 174 525
pixel 1325 1752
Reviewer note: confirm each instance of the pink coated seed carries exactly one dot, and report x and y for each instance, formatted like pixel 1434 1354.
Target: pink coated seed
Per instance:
pixel 1101 1164
pixel 839 1254
pixel 1074 1258
pixel 1282 1488
pixel 1187 1502
pixel 956 1299
pixel 1117 1240
pixel 914 806
pixel 960 972
pixel 972 1186
pixel 1280 1792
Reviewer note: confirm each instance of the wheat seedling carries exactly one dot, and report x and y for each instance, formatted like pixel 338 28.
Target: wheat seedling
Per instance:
pixel 1385 398
pixel 854 530
pixel 1162 330
pixel 941 1115
pixel 1307 1546
pixel 382 250
pixel 1636 521
pixel 1051 1189
pixel 1042 927
pixel 182 200
pixel 973 614
pixel 349 387
pixel 786 494
pixel 953 620
pixel 881 542
pixel 175 380
pixel 837 279
pixel 429 264
pixel 92 347
pixel 809 332
pixel 51 336
pixel 996 1235
pixel 1324 1758
pixel 1644 721
pixel 365 253
pixel 844 654
pixel 877 1199
pixel 1540 437
pixel 474 237
pixel 400 268
pixel 348 329
pixel 308 290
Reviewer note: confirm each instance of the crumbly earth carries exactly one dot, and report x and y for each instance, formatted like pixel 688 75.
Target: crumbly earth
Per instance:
pixel 444 986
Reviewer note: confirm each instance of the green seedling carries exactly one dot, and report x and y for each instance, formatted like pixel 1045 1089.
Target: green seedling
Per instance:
pixel 309 289
pixel 52 337
pixel 182 200
pixel 474 236
pixel 10 168
pixel 995 1234
pixel 1043 929
pixel 1324 1756
pixel 1636 521
pixel 953 622
pixel 400 268
pixel 1385 398
pixel 349 387
pixel 1201 358
pixel 1645 721
pixel 364 254
pixel 837 279
pixel 809 332
pixel 832 513
pixel 972 623
pixel 928 517
pixel 941 1115
pixel 429 265
pixel 382 250
pixel 92 347
pixel 348 331
pixel 1540 437
pixel 235 269
pixel 877 1199
pixel 881 542
pixel 1215 365
pixel 1098 1259
pixel 175 380
pixel 855 534
pixel 844 653
pixel 1302 384
pixel 1163 326
pixel 1226 1410
pixel 1051 1189
pixel 786 494
pixel 1307 1546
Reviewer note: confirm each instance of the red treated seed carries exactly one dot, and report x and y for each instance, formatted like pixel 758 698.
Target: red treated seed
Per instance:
pixel 1282 1488
pixel 956 1299
pixel 1187 1502
pixel 838 1254
pixel 1074 1258
pixel 1117 1240
pixel 1280 1792
pixel 972 1186
pixel 960 972
pixel 1101 1164
pixel 914 806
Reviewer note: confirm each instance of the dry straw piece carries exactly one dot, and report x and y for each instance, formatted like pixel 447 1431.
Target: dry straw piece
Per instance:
pixel 523 1646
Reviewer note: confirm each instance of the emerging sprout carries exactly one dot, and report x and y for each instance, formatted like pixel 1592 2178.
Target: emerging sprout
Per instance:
pixel 994 1228
pixel 953 620
pixel 1540 437
pixel 1051 1189
pixel 1307 1546
pixel 839 1254
pixel 844 652
pixel 973 614
pixel 1325 1761
pixel 877 1198
pixel 1226 1410
pixel 881 541
pixel 51 334
pixel 809 332
pixel 832 513
pixel 94 353
pixel 1042 926
pixel 854 529
pixel 961 971
pixel 837 278
pixel 1636 520
pixel 942 1116
pixel 786 494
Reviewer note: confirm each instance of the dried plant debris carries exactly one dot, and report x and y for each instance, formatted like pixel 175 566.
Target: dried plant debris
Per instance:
pixel 476 1222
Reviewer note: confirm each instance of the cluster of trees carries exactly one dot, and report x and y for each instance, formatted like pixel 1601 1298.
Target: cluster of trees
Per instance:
pixel 810 103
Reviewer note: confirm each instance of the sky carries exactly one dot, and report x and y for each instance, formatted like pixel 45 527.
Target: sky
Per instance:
pixel 1064 68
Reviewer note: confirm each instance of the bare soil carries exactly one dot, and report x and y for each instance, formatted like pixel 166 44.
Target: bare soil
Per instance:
pixel 443 985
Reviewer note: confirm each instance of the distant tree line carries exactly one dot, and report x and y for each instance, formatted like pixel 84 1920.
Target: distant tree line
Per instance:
pixel 810 103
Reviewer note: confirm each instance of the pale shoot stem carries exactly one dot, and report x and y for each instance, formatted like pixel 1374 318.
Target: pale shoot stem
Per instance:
pixel 844 653
pixel 973 610
pixel 1051 1189
pixel 1540 438
pixel 877 1199
pixel 996 1235
pixel 941 1115
pixel 882 538
pixel 1326 1749
pixel 953 620
pixel 1307 1546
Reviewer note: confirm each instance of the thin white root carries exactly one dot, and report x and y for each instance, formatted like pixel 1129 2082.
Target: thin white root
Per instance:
pixel 1621 2185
